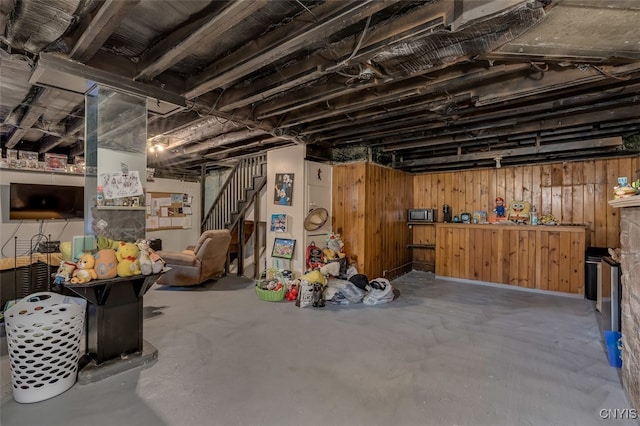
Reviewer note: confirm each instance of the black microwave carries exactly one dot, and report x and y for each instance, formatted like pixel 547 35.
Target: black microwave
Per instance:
pixel 422 215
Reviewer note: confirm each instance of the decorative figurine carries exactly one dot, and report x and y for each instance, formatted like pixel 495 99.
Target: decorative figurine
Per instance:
pixel 519 211
pixel 499 210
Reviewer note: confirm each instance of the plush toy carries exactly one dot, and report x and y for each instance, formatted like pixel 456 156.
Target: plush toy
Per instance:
pixel 318 297
pixel 150 261
pixel 146 266
pixel 84 271
pixel 615 254
pixel 107 243
pixel 314 276
pixel 157 263
pixel 106 264
pixel 329 254
pixel 292 290
pixel 65 249
pixel 499 210
pixel 64 273
pixel 519 211
pixel 331 268
pixel 334 242
pixel 128 264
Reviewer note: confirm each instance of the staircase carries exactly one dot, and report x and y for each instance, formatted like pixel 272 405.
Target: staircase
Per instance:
pixel 238 194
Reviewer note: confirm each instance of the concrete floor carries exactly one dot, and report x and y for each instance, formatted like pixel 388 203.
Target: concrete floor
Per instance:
pixel 443 353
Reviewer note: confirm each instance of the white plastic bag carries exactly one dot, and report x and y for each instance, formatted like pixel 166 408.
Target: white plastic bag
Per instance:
pixel 378 291
pixel 345 292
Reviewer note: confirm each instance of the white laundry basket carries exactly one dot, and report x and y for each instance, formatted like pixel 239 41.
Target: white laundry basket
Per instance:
pixel 43 334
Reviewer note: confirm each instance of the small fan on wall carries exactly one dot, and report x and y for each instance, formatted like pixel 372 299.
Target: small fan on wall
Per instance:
pixel 316 219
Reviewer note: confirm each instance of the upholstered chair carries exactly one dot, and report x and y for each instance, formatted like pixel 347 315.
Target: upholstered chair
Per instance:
pixel 206 260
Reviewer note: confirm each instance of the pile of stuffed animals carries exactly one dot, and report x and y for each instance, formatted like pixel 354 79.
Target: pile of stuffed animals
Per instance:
pixel 113 259
pixel 326 281
pixel 329 256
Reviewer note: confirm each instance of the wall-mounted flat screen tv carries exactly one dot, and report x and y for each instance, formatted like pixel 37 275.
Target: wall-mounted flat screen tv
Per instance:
pixel 45 202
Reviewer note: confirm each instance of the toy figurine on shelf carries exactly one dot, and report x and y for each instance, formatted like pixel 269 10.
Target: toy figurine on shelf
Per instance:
pixel 519 211
pixel 499 210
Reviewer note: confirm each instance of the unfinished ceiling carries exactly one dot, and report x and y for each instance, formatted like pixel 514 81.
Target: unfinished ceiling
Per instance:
pixel 414 85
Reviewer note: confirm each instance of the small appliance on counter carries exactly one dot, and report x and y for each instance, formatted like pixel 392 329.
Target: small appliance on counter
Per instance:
pixel 422 215
pixel 446 213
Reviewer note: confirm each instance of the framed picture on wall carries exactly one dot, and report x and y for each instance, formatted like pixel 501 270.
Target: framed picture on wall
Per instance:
pixel 283 248
pixel 278 223
pixel 283 194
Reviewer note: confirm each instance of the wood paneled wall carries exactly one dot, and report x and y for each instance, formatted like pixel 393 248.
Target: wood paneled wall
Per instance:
pixel 573 192
pixel 370 205
pixel 541 257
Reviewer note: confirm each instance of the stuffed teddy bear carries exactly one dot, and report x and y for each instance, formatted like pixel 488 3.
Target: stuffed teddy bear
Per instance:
pixel 64 273
pixel 146 266
pixel 106 264
pixel 150 261
pixel 84 271
pixel 128 264
pixel 157 262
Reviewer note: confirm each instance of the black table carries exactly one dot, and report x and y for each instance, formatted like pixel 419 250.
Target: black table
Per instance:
pixel 114 315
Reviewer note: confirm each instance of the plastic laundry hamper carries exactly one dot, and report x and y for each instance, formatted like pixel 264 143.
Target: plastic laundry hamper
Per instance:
pixel 44 331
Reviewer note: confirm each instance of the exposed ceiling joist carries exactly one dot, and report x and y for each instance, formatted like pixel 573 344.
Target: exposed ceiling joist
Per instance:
pixel 173 48
pixel 95 31
pixel 331 17
pixel 340 55
pixel 33 113
pixel 410 79
pixel 532 150
pixel 510 126
pixel 396 93
pixel 70 135
pixel 224 140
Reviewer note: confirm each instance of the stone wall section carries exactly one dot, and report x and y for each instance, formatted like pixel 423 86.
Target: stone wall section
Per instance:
pixel 630 327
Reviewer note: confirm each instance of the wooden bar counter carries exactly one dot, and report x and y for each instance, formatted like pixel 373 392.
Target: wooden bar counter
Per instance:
pixel 541 257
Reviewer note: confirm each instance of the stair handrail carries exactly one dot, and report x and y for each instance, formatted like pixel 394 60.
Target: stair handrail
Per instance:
pixel 241 213
pixel 258 162
pixel 220 194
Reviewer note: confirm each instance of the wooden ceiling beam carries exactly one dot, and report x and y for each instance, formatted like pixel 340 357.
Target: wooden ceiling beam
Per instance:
pixel 227 151
pixel 177 45
pixel 533 150
pixel 427 18
pixel 608 110
pixel 558 81
pixel 319 93
pixel 50 142
pixel 224 139
pixel 401 92
pixel 391 119
pixel 99 27
pixel 487 93
pixel 72 129
pixel 34 112
pixel 509 127
pixel 438 46
pixel 331 16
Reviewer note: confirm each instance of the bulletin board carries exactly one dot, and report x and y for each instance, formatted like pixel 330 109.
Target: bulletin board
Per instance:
pixel 168 210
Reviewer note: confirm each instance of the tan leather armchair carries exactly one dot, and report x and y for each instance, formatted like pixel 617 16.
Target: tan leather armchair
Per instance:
pixel 192 267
